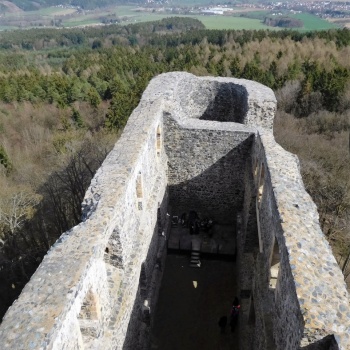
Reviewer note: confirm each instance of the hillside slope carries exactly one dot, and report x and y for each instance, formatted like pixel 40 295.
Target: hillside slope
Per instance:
pixel 27 5
pixel 8 6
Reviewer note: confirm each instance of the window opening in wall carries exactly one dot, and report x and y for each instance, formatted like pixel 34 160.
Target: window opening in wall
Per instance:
pixel 113 255
pixel 159 142
pixel 143 282
pixel 159 221
pixel 139 186
pixel 256 157
pixel 258 226
pixel 89 315
pixel 255 169
pixel 275 265
pixel 146 311
pixel 261 183
pixel 89 309
pixel 139 193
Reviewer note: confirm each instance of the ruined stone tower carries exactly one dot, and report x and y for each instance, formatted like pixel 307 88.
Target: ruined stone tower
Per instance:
pixel 203 142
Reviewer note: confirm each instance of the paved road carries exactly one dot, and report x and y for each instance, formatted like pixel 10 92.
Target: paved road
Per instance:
pixel 187 316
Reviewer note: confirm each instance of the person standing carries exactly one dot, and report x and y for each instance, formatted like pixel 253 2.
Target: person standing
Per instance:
pixel 234 314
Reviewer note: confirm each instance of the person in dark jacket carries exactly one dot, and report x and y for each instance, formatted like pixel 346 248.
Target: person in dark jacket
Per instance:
pixel 234 314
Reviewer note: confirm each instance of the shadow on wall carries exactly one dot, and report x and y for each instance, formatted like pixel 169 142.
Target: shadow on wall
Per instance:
pixel 229 105
pixel 213 100
pixel 328 343
pixel 150 276
pixel 216 193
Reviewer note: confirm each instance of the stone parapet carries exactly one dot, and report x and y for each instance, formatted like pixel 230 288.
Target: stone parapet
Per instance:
pixel 309 298
pixel 83 294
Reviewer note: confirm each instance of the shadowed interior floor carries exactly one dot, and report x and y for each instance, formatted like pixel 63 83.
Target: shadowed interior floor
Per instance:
pixel 220 240
pixel 191 302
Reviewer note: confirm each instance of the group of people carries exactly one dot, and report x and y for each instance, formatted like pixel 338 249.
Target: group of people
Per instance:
pixel 234 313
pixel 194 223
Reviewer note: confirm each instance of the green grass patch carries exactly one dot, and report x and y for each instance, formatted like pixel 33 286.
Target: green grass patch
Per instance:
pixel 93 17
pixel 125 10
pixel 2 28
pixel 210 22
pixel 228 22
pixel 57 11
pixel 83 22
pixel 312 22
pixel 253 14
pixel 47 11
pixel 251 20
pixel 42 14
pixel 147 17
pixel 243 20
pixel 195 2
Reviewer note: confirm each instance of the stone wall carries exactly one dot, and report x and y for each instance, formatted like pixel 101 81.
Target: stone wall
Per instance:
pixel 88 286
pixel 225 100
pixel 300 298
pixel 196 143
pixel 205 169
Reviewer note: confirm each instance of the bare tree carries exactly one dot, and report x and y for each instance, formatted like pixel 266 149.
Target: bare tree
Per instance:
pixel 17 205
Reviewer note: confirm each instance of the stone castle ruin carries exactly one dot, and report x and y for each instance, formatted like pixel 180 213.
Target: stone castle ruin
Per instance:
pixel 203 143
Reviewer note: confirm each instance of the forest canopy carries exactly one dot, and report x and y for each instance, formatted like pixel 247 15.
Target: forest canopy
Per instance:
pixel 283 22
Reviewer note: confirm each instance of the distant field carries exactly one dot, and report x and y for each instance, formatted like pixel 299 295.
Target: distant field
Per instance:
pixel 49 11
pixel 80 23
pixel 345 22
pixel 255 14
pixel 196 2
pixel 226 22
pixel 55 11
pixel 6 28
pixel 145 17
pixel 129 15
pixel 312 22
pixel 210 22
pixel 124 10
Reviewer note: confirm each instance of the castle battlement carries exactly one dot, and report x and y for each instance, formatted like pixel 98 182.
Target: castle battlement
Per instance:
pixel 203 143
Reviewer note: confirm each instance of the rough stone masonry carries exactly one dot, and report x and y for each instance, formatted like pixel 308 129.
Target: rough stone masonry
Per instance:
pixel 204 142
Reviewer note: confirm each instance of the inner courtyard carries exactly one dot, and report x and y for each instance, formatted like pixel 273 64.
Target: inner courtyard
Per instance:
pixel 191 302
